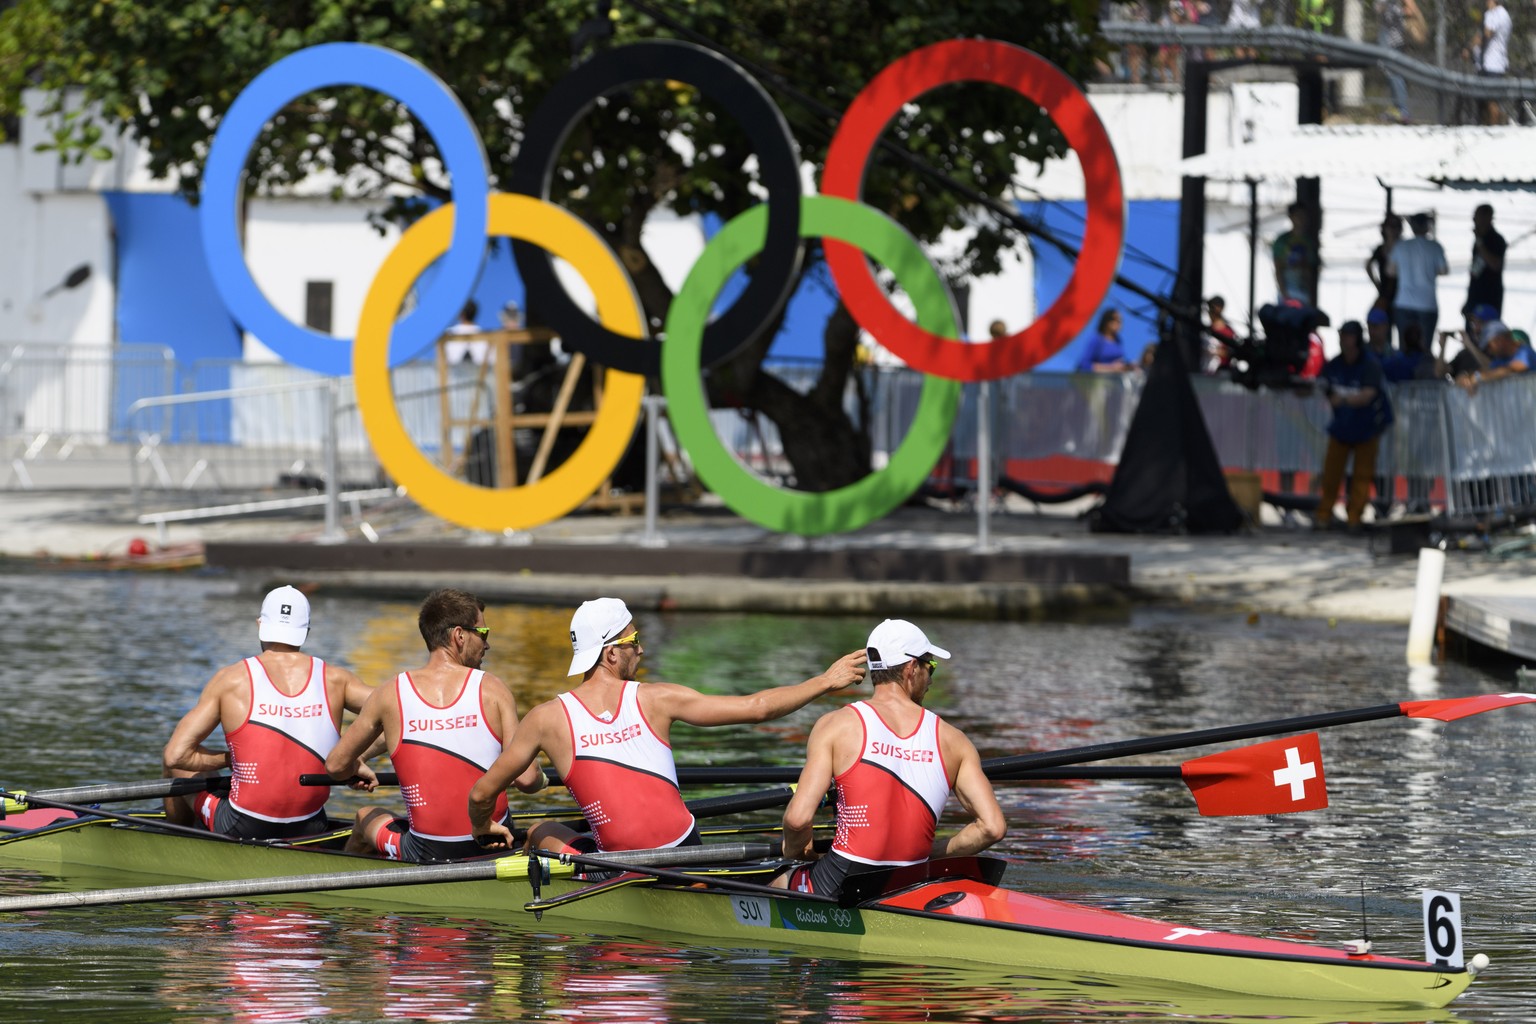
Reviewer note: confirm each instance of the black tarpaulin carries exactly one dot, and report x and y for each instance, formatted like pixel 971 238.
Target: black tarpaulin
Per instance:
pixel 1168 479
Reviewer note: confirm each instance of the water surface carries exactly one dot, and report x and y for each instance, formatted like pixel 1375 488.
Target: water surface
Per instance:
pixel 98 668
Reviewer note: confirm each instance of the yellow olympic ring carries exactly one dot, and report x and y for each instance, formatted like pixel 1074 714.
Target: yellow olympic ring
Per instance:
pixel 575 480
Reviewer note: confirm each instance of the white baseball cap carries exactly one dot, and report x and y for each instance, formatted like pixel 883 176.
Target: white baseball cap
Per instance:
pixel 284 617
pixel 896 641
pixel 595 625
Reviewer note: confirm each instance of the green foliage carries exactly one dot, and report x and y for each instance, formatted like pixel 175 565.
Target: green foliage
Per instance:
pixel 167 70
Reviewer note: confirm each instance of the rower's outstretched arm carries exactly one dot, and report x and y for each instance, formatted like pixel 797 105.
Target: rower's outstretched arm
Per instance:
pixel 683 704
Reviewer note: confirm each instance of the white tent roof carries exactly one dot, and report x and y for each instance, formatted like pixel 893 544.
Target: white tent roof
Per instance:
pixel 1499 155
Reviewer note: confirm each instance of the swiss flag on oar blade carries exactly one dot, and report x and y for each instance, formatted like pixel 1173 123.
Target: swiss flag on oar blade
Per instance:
pixel 1266 778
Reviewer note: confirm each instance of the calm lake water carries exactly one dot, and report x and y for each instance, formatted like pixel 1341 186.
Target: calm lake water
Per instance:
pixel 98 668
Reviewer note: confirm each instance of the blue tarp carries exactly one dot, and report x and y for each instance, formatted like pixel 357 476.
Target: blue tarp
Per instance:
pixel 1151 253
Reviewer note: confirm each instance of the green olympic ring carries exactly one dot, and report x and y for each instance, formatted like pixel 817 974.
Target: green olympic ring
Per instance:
pixel 749 496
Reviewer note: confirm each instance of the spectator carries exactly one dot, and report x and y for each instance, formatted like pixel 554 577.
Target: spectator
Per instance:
pixel 1296 258
pixel 1471 357
pixel 466 351
pixel 1243 15
pixel 1378 330
pixel 1355 387
pixel 1376 268
pixel 1414 263
pixel 1315 16
pixel 1508 356
pixel 1389 34
pixel 1220 337
pixel 1414 362
pixel 1485 286
pixel 1104 353
pixel 1492 55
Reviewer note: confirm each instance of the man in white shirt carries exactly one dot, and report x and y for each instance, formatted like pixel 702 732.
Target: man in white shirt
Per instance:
pixel 1416 262
pixel 1493 54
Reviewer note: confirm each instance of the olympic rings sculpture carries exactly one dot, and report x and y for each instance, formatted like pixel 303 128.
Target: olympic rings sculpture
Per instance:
pixel 540 231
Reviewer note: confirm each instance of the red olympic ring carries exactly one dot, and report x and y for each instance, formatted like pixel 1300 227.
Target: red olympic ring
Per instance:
pixel 1037 79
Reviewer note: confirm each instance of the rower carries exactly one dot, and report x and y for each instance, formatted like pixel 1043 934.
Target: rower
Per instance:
pixel 610 740
pixel 443 725
pixel 895 764
pixel 281 714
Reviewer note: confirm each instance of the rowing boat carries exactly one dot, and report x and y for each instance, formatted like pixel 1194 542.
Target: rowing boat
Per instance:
pixel 949 912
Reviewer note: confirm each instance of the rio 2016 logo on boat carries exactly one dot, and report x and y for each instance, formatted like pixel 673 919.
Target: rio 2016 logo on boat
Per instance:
pixel 617 340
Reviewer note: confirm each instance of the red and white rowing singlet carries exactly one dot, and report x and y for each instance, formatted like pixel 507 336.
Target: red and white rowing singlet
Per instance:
pixel 623 777
pixel 281 738
pixel 441 754
pixel 889 800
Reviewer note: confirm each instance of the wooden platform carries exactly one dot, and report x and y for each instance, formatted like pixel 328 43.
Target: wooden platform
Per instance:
pixel 1505 624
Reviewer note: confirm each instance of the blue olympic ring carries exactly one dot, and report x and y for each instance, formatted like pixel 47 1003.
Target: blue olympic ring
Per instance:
pixel 436 107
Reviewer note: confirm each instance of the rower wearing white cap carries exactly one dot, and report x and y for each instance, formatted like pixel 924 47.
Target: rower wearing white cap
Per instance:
pixel 610 739
pixel 281 713
pixel 895 764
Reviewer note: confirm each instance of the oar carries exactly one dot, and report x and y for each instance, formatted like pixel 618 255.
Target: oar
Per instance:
pixel 1446 710
pixel 17 801
pixel 114 793
pixel 500 868
pixel 619 862
pixel 730 775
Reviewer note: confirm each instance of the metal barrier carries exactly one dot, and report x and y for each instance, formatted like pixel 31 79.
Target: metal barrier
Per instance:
pixel 65 403
pixel 275 426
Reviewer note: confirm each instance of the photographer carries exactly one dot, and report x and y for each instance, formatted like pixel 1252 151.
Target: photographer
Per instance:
pixel 1353 383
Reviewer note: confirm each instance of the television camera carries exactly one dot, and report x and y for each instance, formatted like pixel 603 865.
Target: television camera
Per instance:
pixel 1276 359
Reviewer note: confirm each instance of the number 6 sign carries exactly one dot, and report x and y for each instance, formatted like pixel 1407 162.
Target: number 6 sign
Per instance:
pixel 1442 928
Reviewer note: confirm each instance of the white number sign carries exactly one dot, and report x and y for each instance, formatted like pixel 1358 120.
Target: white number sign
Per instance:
pixel 1442 928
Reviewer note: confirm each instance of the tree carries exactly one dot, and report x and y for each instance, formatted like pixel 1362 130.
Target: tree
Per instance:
pixel 167 69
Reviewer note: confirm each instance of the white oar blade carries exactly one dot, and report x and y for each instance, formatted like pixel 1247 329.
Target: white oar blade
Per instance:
pixel 1278 777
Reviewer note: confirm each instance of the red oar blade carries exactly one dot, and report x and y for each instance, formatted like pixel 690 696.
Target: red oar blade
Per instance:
pixel 1452 708
pixel 1277 777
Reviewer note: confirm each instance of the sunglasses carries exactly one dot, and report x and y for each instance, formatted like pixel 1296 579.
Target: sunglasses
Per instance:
pixel 483 631
pixel 633 638
pixel 932 664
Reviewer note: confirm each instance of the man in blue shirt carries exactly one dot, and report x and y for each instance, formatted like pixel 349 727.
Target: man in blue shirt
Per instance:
pixel 1354 385
pixel 1104 353
pixel 1508 356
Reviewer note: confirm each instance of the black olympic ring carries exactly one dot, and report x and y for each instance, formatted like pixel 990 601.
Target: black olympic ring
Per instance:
pixel 778 157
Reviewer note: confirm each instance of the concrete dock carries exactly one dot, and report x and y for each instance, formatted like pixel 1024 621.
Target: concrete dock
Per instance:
pixel 919 560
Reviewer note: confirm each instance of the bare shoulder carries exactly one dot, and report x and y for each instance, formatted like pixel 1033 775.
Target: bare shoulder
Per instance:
pixel 664 695
pixel 835 724
pixel 492 687
pixel 952 739
pixel 228 678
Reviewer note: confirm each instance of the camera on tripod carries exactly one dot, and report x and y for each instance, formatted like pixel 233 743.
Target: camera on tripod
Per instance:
pixel 1276 359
